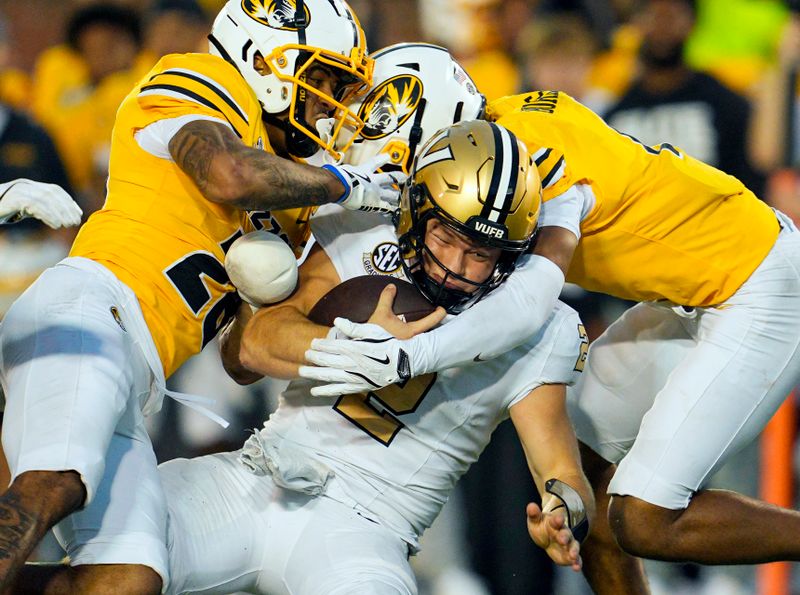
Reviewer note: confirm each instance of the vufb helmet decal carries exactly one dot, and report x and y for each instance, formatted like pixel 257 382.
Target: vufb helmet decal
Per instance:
pixel 277 14
pixel 389 105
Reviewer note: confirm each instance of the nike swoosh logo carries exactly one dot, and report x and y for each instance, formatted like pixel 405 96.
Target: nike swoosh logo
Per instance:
pixel 383 361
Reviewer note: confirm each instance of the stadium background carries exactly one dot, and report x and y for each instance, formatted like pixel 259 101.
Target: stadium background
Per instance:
pixel 64 67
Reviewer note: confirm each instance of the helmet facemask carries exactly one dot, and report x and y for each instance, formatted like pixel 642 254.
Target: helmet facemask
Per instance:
pixel 415 252
pixel 303 139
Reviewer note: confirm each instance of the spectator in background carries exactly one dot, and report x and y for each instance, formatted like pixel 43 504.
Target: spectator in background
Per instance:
pixel 26 151
pixel 481 34
pixel 102 39
pixel 174 27
pixel 671 102
pixel 775 145
pixel 15 83
pixel 170 27
pixel 557 52
pixel 775 137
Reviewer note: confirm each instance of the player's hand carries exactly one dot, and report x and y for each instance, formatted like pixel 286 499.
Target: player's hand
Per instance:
pixel 384 316
pixel 49 203
pixel 370 356
pixel 368 190
pixel 351 366
pixel 550 532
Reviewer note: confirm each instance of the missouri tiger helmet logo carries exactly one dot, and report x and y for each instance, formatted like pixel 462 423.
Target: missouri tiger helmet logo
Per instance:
pixel 277 14
pixel 389 105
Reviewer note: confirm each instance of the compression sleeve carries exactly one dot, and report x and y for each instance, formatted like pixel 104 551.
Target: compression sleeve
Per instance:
pixel 487 329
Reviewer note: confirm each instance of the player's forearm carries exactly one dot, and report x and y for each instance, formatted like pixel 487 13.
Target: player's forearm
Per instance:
pixel 230 345
pixel 275 340
pixel 228 172
pixel 487 330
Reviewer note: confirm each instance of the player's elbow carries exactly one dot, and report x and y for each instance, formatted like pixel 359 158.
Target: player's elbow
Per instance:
pixel 251 355
pixel 240 373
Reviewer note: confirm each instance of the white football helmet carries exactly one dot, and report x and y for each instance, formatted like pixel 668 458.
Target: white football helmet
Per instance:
pixel 293 36
pixel 417 88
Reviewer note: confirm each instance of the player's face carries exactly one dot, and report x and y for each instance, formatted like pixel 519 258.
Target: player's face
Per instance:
pixel 332 84
pixel 459 254
pixel 323 78
pixel 326 82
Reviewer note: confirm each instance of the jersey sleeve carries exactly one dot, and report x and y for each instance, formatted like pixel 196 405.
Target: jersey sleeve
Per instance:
pixel 566 346
pixel 195 88
pixel 567 210
pixel 154 138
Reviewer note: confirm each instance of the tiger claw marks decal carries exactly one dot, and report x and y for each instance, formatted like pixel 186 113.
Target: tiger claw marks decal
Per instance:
pixel 389 106
pixel 277 14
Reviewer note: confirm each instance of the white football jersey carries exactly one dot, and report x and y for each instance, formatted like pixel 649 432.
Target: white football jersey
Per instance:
pixel 396 454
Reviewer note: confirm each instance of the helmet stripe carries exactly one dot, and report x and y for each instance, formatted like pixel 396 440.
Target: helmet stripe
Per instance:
pixel 300 16
pixel 356 36
pixel 504 178
pixel 514 173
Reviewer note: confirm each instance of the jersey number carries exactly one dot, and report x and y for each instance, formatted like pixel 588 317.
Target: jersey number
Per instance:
pixel 584 349
pixel 375 412
pixel 188 276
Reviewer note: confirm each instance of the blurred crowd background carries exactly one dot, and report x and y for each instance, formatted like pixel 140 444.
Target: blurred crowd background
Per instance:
pixel 716 77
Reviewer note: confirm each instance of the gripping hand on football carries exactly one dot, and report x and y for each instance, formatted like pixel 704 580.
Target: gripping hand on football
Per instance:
pixel 49 203
pixel 368 190
pixel 370 356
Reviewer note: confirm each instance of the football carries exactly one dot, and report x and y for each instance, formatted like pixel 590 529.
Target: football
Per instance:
pixel 356 298
pixel 262 267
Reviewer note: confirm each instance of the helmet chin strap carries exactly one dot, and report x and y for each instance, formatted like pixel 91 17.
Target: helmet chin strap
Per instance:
pixel 298 144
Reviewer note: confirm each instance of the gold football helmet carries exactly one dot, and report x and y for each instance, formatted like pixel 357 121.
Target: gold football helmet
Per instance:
pixel 479 180
pixel 294 36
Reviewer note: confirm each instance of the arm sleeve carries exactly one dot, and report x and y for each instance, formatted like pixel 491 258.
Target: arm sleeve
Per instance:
pixel 568 209
pixel 563 342
pixel 487 329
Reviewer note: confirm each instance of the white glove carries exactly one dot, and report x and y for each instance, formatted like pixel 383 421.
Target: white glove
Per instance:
pixel 366 190
pixel 49 203
pixel 369 360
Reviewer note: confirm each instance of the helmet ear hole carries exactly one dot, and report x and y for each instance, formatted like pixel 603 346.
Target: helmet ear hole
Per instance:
pixel 417 195
pixel 260 65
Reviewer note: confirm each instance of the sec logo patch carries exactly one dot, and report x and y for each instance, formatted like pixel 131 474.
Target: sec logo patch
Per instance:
pixel 383 260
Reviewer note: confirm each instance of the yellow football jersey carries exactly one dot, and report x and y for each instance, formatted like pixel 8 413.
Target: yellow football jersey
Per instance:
pixel 156 231
pixel 664 225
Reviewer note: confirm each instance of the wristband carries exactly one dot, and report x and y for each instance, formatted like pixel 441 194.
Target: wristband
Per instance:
pixel 335 171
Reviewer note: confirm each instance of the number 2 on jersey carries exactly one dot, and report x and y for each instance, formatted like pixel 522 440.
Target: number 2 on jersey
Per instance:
pixel 189 276
pixel 376 412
